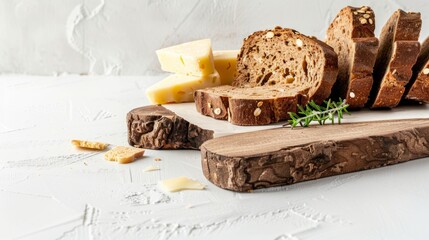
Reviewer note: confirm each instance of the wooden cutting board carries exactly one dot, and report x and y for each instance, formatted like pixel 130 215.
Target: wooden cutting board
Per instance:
pixel 275 157
pixel 155 127
pixel 281 156
pixel 159 127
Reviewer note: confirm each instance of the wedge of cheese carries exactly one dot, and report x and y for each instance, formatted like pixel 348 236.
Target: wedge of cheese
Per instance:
pixel 225 62
pixel 180 88
pixel 191 58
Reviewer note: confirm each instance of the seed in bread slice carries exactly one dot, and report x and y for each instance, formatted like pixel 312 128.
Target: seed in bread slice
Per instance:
pixel 351 34
pixel 399 48
pixel 282 56
pixel 251 105
pixel 418 87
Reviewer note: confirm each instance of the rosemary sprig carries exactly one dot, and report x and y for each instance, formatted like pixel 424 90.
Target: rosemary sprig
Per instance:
pixel 313 112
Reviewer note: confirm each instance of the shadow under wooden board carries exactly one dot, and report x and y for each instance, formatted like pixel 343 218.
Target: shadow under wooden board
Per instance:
pixel 281 156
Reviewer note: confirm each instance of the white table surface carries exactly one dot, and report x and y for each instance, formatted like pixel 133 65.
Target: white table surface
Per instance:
pixel 51 190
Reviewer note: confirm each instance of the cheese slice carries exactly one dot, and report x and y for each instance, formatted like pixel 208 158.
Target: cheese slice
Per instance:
pixel 225 62
pixel 151 169
pixel 179 88
pixel 191 58
pixel 179 184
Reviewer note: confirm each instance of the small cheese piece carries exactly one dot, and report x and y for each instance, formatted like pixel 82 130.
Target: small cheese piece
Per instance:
pixel 192 58
pixel 151 168
pixel 122 154
pixel 180 88
pixel 225 62
pixel 89 144
pixel 179 184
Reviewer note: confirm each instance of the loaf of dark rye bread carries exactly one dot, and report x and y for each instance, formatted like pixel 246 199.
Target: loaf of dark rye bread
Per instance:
pixel 399 48
pixel 418 87
pixel 277 68
pixel 351 34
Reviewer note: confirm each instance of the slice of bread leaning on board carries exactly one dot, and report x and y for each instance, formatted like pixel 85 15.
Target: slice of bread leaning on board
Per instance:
pixel 278 69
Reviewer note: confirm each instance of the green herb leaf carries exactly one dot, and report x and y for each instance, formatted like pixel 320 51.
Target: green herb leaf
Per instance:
pixel 319 113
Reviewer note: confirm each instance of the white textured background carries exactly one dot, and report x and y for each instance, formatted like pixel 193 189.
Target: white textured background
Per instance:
pixel 50 190
pixel 117 37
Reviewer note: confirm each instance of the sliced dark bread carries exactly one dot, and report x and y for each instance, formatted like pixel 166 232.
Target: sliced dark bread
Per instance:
pixel 351 34
pixel 418 87
pixel 250 106
pixel 399 48
pixel 283 56
pixel 276 70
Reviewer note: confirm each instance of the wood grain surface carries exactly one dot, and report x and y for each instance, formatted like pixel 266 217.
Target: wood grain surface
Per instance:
pixel 248 161
pixel 155 127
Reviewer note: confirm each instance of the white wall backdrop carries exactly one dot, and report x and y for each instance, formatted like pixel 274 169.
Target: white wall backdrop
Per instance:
pixel 119 37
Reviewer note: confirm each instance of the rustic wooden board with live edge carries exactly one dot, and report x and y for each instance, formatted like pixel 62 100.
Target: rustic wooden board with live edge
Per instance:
pixel 281 74
pixel 280 156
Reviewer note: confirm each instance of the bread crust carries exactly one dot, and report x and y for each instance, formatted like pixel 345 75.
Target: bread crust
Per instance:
pixel 418 87
pixel 351 34
pixel 397 75
pixel 361 79
pixel 224 103
pixel 399 48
